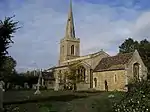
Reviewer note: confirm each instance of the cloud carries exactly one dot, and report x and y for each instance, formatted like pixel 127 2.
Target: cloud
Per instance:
pixel 99 26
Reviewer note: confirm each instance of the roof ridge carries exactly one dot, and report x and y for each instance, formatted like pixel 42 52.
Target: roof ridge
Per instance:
pixel 119 55
pixel 94 53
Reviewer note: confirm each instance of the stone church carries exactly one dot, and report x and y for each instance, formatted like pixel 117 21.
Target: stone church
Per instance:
pixel 99 70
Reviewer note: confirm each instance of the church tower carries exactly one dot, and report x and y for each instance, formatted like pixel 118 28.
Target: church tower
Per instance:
pixel 69 45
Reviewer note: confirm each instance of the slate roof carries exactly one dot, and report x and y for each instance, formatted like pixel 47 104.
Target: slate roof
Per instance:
pixel 113 62
pixel 67 65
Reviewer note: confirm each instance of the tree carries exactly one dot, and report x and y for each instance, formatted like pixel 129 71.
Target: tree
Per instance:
pixel 144 51
pixel 129 45
pixel 73 75
pixel 29 77
pixel 8 68
pixel 7 28
pixel 143 47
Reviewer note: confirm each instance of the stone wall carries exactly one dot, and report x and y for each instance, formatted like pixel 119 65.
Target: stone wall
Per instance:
pixel 116 80
pixel 83 86
pixel 50 84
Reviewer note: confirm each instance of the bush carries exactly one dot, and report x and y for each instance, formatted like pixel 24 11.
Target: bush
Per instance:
pixel 135 100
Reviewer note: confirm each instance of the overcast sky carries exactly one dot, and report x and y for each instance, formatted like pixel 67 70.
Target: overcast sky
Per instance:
pixel 100 24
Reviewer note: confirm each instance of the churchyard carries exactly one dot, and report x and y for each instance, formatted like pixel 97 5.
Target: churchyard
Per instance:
pixel 60 101
pixel 19 94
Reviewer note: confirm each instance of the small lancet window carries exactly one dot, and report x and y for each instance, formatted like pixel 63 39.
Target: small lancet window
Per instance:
pixel 115 78
pixel 95 82
pixel 62 50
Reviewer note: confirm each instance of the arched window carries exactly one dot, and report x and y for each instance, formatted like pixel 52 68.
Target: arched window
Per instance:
pixel 136 71
pixel 95 82
pixel 72 50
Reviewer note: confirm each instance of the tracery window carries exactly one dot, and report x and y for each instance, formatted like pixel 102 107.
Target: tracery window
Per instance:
pixel 81 73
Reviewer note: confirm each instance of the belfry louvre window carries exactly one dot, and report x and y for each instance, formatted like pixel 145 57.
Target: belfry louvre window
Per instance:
pixel 72 50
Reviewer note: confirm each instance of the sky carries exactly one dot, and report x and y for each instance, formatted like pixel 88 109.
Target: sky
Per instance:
pixel 100 24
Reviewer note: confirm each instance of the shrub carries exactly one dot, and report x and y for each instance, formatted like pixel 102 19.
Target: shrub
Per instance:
pixel 135 100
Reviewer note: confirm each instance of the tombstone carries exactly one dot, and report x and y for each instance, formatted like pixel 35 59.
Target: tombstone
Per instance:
pixel 26 86
pixel 1 95
pixel 8 85
pixel 20 87
pixel 3 85
pixel 34 86
pixel 16 87
pixel 111 96
pixel 1 99
pixel 42 82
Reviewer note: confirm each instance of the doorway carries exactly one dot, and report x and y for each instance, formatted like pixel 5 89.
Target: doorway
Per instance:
pixel 106 85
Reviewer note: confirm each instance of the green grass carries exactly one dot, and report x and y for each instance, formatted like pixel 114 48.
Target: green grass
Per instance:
pixel 62 101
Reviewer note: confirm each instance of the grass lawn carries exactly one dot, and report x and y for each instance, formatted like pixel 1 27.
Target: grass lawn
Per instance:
pixel 61 101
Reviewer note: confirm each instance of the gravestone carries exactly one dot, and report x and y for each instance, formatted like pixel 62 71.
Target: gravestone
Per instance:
pixel 34 86
pixel 42 82
pixel 1 99
pixel 16 87
pixel 26 86
pixel 1 95
pixel 8 85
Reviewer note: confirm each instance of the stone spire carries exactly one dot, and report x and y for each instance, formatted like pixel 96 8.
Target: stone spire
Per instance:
pixel 70 32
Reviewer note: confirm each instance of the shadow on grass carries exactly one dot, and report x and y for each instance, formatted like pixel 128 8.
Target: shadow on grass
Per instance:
pixel 63 98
